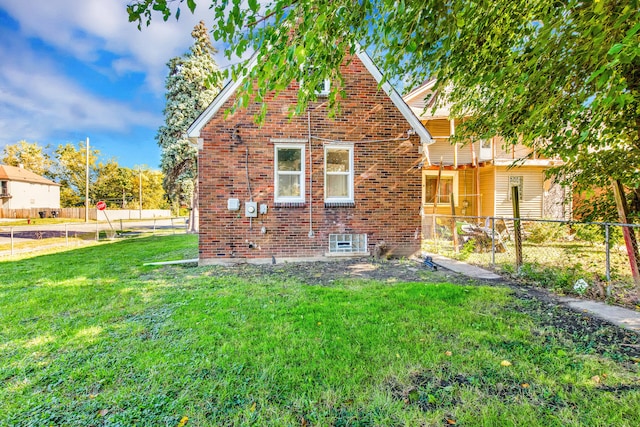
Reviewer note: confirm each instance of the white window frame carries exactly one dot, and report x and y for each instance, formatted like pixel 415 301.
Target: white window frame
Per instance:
pixel 326 88
pixel 301 173
pixel 444 174
pixel 350 174
pixel 520 187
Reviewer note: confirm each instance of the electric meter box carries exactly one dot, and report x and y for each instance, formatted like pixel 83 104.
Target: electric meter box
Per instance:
pixel 251 209
pixel 233 204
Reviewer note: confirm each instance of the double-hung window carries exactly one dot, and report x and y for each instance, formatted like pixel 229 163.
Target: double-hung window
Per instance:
pixel 338 173
pixel 289 173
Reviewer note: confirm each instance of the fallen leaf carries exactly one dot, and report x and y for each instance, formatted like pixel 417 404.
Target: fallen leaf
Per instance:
pixel 524 385
pixel 450 421
pixel 319 323
pixel 398 355
pixel 448 353
pixel 183 421
pixel 92 396
pixel 103 412
pixel 505 363
pixel 596 379
pixel 253 407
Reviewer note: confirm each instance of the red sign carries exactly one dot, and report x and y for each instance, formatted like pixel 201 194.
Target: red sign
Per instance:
pixel 101 205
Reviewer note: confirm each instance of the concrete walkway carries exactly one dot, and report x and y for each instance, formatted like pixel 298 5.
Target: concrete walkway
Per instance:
pixel 620 316
pixel 464 268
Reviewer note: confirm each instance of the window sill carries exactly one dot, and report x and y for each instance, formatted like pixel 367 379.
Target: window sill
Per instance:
pixel 289 204
pixel 346 254
pixel 339 205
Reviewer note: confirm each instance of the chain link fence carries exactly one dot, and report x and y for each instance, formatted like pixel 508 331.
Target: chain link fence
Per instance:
pixel 556 251
pixel 37 237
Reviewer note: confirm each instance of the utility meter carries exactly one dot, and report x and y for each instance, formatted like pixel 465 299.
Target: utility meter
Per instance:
pixel 233 204
pixel 251 209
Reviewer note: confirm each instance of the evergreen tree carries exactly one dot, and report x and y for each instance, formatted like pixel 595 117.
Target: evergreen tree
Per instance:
pixel 192 83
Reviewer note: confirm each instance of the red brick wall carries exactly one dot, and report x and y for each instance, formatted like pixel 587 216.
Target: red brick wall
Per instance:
pixel 387 186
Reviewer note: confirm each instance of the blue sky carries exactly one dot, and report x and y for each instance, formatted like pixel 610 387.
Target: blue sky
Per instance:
pixel 72 69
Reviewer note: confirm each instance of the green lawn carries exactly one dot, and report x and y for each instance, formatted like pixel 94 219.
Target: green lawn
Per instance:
pixel 91 337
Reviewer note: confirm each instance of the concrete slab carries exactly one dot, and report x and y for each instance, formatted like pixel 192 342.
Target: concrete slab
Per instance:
pixel 464 268
pixel 620 316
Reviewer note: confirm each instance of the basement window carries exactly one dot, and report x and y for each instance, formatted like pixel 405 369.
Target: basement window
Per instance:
pixel 347 243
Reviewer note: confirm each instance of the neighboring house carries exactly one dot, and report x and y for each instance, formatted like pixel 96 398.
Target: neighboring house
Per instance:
pixel 480 174
pixel 310 186
pixel 22 189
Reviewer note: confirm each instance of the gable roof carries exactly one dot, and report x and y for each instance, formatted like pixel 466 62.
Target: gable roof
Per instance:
pixel 12 173
pixel 231 87
pixel 422 99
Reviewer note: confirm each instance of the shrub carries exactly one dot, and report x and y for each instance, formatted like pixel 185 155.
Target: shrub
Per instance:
pixel 540 232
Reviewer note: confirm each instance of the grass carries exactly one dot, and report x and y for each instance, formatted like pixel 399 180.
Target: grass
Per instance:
pixel 555 265
pixel 93 337
pixel 37 221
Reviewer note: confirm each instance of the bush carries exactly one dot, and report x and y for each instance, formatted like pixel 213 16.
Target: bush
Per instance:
pixel 560 280
pixel 590 233
pixel 540 232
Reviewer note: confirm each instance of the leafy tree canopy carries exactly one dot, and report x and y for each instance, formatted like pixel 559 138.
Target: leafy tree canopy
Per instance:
pixel 562 76
pixel 30 155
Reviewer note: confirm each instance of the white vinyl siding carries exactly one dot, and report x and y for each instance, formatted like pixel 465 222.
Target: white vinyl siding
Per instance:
pixel 532 189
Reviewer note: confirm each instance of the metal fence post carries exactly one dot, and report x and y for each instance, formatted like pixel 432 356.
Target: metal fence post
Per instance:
pixel 11 241
pixel 493 241
pixel 66 234
pixel 154 226
pixel 517 230
pixel 607 249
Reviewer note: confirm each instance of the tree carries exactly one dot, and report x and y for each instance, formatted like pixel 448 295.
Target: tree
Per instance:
pixel 154 196
pixel 113 184
pixel 567 73
pixel 560 76
pixel 30 155
pixel 191 85
pixel 70 171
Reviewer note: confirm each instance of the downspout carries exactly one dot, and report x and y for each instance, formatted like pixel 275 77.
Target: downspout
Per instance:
pixel 311 233
pixel 246 164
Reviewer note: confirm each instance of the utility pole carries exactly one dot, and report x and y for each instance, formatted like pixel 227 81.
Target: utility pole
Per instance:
pixel 86 187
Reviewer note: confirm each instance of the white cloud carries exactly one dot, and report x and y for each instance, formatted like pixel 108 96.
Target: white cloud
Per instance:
pixel 38 95
pixel 83 28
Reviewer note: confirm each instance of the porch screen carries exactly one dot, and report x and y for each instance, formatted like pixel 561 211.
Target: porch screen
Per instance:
pixel 431 189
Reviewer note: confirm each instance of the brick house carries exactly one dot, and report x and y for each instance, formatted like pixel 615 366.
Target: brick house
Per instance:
pixel 311 186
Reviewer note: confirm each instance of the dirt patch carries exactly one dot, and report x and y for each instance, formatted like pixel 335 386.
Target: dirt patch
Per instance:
pixel 554 319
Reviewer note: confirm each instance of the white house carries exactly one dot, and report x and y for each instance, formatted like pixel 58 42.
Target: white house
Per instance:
pixel 22 189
